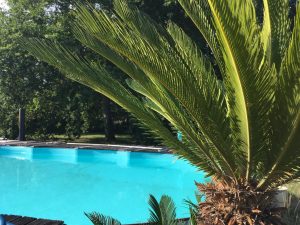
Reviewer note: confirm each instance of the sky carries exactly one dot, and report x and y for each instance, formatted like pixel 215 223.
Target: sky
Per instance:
pixel 3 4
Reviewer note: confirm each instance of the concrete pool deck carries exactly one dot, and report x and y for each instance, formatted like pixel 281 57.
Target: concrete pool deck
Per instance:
pixel 54 144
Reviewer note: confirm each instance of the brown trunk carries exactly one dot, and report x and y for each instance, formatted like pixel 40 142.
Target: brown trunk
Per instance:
pixel 237 204
pixel 21 124
pixel 108 120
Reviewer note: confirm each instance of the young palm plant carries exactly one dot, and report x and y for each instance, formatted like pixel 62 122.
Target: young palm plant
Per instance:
pixel 161 213
pixel 242 129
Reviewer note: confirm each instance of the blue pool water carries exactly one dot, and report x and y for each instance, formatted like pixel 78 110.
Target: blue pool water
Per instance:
pixel 62 184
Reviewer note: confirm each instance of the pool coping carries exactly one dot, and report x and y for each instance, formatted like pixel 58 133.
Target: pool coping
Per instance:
pixel 73 145
pixel 25 220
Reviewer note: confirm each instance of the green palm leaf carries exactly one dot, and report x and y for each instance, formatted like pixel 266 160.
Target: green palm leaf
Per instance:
pixel 162 212
pixel 284 162
pixel 275 34
pixel 199 12
pixel 99 219
pixel 248 80
pixel 194 210
pixel 157 71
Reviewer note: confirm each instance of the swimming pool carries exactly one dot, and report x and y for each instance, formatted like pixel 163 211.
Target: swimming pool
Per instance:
pixel 57 183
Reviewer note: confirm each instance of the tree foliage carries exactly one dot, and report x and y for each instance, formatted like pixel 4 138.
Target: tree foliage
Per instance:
pixel 54 104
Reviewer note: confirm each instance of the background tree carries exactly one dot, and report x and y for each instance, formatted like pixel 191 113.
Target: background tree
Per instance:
pixel 55 105
pixel 25 82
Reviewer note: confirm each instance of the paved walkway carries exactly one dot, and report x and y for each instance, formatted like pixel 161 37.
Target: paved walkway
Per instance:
pixel 132 148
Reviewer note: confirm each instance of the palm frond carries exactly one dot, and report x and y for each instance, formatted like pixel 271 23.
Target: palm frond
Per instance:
pixel 162 212
pixel 99 219
pixel 248 80
pixel 156 93
pixel 285 156
pixel 276 30
pixel 97 46
pixel 200 14
pixel 194 210
pixel 159 60
pixel 97 78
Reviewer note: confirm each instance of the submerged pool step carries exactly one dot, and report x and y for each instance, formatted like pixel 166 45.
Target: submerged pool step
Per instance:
pixel 24 220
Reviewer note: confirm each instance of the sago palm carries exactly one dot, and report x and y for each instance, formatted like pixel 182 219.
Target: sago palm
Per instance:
pixel 162 212
pixel 242 129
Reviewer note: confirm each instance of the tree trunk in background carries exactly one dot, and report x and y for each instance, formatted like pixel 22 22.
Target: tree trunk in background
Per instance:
pixel 108 120
pixel 21 124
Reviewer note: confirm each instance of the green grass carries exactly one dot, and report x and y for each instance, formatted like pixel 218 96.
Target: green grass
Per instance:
pixel 97 139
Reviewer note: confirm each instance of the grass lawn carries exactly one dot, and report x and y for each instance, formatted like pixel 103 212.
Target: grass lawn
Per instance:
pixel 97 139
